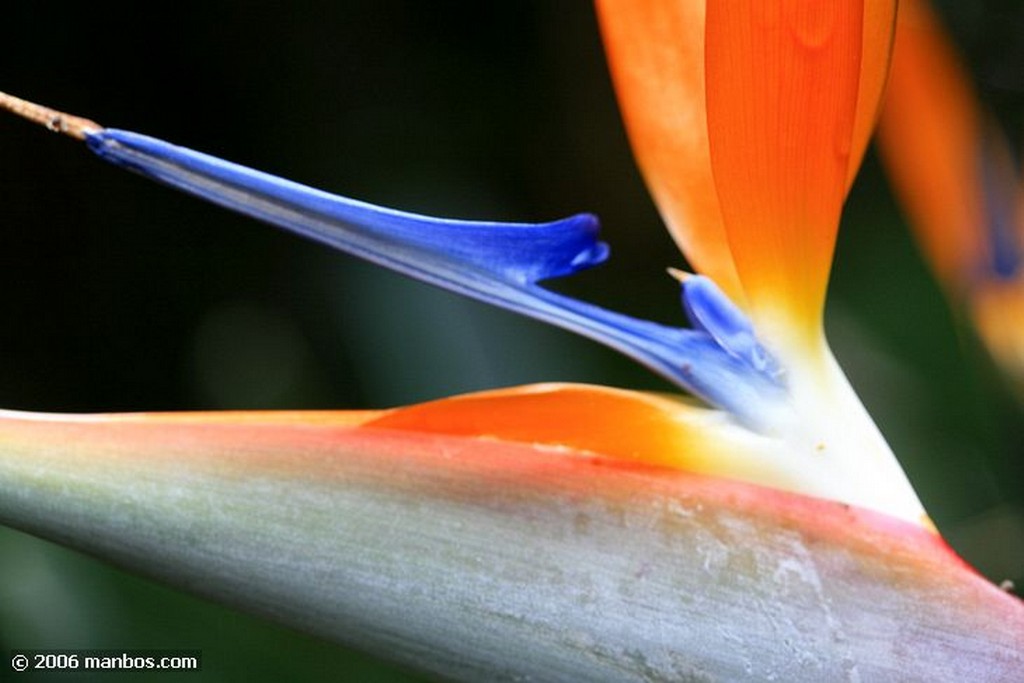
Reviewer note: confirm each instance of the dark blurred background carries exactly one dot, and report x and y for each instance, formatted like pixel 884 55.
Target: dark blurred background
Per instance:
pixel 122 295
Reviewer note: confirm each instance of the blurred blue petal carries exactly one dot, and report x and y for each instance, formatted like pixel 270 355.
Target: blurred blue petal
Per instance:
pixel 999 192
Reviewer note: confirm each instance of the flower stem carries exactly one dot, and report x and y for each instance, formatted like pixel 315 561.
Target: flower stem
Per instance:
pixel 54 120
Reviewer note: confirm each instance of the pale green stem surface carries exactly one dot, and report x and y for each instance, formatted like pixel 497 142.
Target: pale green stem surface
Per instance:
pixel 482 561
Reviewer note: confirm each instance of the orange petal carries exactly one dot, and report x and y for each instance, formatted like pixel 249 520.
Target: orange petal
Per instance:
pixel 590 419
pixel 655 52
pixel 879 32
pixel 929 137
pixel 586 419
pixel 782 86
pixel 610 423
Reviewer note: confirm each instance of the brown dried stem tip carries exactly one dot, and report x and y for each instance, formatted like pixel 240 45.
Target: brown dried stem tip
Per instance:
pixel 54 120
pixel 678 275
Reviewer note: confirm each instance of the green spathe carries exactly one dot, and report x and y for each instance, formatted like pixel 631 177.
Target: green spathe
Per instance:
pixel 479 560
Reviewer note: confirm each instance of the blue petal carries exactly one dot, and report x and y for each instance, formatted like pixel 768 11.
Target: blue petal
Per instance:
pixel 709 309
pixel 519 252
pixel 1000 203
pixel 500 263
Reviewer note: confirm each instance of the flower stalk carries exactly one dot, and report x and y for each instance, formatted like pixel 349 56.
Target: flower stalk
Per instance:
pixel 501 561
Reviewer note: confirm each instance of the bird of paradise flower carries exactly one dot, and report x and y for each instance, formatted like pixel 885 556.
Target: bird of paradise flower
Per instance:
pixel 749 159
pixel 962 190
pixel 952 170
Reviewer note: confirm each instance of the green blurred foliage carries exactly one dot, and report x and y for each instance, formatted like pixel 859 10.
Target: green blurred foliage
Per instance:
pixel 121 295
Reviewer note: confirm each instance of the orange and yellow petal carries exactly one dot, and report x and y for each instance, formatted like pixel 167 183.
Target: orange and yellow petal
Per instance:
pixel 878 34
pixel 997 309
pixel 952 169
pixel 741 147
pixel 782 84
pixel 929 139
pixel 595 420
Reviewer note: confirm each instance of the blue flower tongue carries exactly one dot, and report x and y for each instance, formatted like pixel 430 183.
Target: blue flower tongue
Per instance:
pixel 710 310
pixel 518 252
pixel 500 263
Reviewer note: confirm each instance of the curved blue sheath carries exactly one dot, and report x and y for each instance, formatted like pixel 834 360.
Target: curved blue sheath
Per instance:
pixel 500 263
